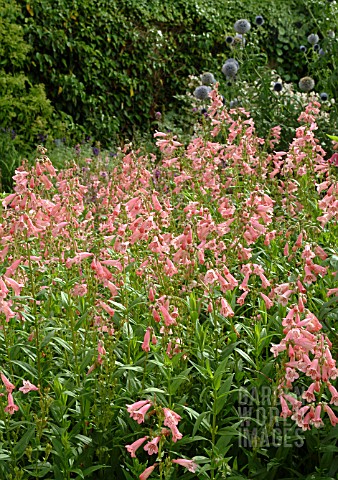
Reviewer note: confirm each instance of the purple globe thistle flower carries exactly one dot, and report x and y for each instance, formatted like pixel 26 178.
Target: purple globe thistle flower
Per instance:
pixel 324 97
pixel 207 78
pixel 96 151
pixel 278 87
pixel 232 60
pixel 242 26
pixel 306 84
pixel 229 39
pixel 230 69
pixel 302 48
pixel 202 92
pixel 313 38
pixel 316 47
pixel 259 20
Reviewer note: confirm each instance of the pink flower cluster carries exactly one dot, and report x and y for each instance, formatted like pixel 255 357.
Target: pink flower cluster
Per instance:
pixel 307 351
pixel 26 388
pixel 170 419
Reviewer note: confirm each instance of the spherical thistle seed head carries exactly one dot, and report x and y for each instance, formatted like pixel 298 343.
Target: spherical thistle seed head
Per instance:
pixel 302 48
pixel 242 26
pixel 259 20
pixel 229 39
pixel 232 60
pixel 207 78
pixel 278 87
pixel 316 47
pixel 321 52
pixel 313 38
pixel 324 97
pixel 202 92
pixel 230 69
pixel 306 84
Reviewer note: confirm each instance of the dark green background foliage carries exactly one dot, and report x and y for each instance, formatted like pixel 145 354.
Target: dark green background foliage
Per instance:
pixel 24 108
pixel 106 65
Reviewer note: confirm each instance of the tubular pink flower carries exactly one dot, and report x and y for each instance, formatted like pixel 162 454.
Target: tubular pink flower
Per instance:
pixel 11 407
pixel 139 415
pixel 28 387
pixel 176 434
pixel 9 386
pixel 146 341
pixel 136 406
pixel 334 393
pixel 226 310
pixel 168 319
pixel 151 447
pixel 147 472
pixel 331 414
pixel 286 412
pixel 309 395
pixel 267 301
pixel 170 417
pixel 134 446
pixel 188 464
pixel 316 420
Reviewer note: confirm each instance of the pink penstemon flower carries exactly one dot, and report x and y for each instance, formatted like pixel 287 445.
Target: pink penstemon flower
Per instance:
pixel 146 341
pixel 176 434
pixel 226 310
pixel 8 385
pixel 134 446
pixel 147 472
pixel 188 464
pixel 170 417
pixel 316 420
pixel 11 407
pixel 331 414
pixel 138 415
pixel 136 406
pixel 168 319
pixel 28 387
pixel 334 394
pixel 152 446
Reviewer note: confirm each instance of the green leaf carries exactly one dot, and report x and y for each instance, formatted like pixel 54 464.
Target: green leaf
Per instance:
pixel 201 420
pixel 92 469
pixel 333 137
pixel 25 366
pixel 22 444
pixel 245 356
pixel 47 338
pixel 223 394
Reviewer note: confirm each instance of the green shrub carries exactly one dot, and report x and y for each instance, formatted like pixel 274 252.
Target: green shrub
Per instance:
pixel 25 112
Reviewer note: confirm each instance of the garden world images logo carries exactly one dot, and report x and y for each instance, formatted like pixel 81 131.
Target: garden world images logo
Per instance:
pixel 262 425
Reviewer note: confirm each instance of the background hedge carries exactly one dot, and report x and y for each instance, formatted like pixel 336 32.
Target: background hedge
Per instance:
pixel 109 65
